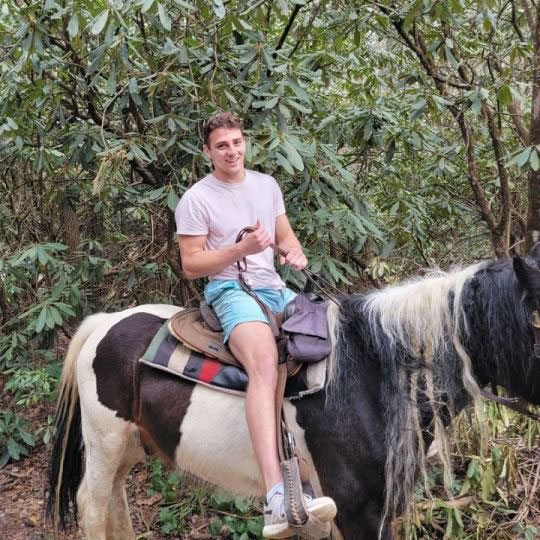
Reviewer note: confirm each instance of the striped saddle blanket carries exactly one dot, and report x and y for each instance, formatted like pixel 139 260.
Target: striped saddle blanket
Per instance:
pixel 168 354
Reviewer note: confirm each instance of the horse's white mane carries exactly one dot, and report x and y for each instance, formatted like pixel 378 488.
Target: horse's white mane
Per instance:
pixel 332 316
pixel 417 314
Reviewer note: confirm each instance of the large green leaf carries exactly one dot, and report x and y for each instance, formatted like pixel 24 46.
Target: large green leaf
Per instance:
pixel 164 17
pixel 100 22
pixel 292 154
pixel 73 25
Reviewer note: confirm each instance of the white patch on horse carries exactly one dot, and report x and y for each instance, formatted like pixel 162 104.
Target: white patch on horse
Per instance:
pixel 215 444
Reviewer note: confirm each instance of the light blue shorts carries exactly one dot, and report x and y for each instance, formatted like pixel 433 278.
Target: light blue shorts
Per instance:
pixel 234 306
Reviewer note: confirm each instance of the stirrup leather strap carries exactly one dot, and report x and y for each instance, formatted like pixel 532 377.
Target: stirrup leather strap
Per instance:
pixel 295 473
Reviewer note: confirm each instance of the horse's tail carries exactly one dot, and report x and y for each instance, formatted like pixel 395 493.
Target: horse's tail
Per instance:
pixel 65 467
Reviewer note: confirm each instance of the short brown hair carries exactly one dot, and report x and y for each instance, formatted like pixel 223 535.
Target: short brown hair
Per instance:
pixel 222 119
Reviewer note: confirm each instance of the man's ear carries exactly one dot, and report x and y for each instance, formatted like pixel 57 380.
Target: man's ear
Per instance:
pixel 528 277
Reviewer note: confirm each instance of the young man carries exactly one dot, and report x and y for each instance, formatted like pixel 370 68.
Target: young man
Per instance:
pixel 209 216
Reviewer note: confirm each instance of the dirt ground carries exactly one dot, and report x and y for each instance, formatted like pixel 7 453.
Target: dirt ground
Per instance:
pixel 23 484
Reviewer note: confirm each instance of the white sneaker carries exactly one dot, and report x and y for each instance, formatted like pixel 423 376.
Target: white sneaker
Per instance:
pixel 275 519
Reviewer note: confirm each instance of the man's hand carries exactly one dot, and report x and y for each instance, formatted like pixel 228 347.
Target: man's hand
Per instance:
pixel 256 241
pixel 295 257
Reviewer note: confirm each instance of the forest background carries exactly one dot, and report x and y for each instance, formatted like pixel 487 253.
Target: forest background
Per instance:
pixel 404 135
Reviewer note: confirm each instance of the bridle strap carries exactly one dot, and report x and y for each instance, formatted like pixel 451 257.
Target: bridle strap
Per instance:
pixel 536 331
pixel 511 403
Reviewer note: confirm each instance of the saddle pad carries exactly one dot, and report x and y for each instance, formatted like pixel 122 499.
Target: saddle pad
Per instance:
pixel 168 354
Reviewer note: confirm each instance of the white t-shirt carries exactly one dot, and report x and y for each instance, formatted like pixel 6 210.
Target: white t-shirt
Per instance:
pixel 220 210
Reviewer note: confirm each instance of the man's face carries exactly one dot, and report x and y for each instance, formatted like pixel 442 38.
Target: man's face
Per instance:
pixel 227 148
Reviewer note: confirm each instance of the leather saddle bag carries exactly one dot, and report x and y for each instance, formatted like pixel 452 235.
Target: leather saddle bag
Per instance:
pixel 305 327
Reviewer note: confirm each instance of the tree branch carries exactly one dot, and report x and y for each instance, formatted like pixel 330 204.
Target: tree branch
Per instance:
pixel 514 109
pixel 495 136
pixel 533 212
pixel 515 24
pixel 516 115
pixel 287 29
pixel 528 15
pixel 472 174
pixel 306 30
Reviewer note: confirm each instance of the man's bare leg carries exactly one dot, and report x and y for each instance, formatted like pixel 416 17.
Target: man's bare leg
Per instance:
pixel 254 346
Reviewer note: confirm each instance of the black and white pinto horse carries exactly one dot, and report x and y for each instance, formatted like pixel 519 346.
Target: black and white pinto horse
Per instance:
pixel 405 360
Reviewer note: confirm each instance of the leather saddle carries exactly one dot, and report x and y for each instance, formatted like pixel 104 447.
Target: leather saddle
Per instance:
pixel 199 329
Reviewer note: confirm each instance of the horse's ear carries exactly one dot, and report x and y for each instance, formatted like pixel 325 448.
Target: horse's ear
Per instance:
pixel 535 251
pixel 528 277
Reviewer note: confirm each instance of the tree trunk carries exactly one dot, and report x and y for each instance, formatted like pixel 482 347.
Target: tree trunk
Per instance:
pixel 3 304
pixel 184 292
pixel 70 227
pixel 533 214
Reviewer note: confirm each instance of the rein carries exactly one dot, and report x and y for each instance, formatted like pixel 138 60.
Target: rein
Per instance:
pixel 511 403
pixel 335 296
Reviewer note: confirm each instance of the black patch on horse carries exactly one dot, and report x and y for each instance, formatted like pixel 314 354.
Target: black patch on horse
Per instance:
pixel 163 398
pixel 116 358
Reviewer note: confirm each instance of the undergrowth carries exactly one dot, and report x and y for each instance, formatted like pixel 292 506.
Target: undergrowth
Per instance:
pixel 495 490
pixel 25 386
pixel 219 514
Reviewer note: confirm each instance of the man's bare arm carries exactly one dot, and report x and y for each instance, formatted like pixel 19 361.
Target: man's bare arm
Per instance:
pixel 199 262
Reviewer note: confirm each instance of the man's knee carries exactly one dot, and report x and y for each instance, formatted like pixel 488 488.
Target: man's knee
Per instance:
pixel 262 369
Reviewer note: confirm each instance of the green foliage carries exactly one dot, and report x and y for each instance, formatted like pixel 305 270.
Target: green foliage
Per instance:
pixel 161 482
pixel 13 349
pixel 235 517
pixel 103 107
pixel 30 384
pixel 16 439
